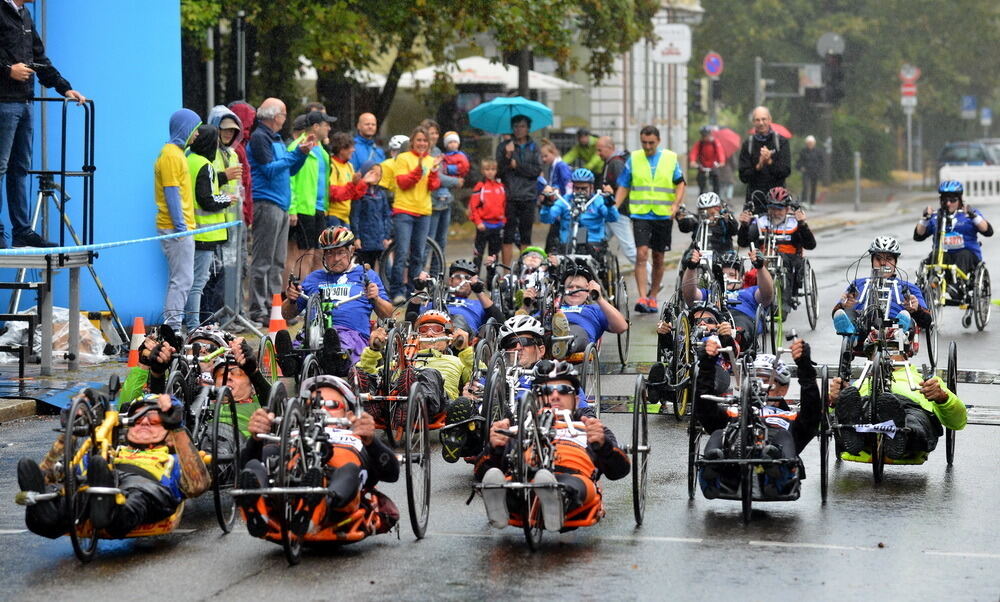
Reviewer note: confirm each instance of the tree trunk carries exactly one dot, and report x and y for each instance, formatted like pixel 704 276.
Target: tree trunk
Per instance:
pixel 384 102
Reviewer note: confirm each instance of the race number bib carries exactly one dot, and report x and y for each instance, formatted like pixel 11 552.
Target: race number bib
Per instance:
pixel 344 437
pixel 335 292
pixel 953 241
pixel 576 437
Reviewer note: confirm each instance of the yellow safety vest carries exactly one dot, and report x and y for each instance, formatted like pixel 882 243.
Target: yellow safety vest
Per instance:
pixel 651 193
pixel 204 218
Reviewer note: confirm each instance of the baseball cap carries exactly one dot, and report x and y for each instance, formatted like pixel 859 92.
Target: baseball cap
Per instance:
pixel 314 117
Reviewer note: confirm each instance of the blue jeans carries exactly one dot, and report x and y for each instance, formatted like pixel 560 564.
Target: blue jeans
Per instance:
pixel 202 267
pixel 411 236
pixel 440 222
pixel 15 161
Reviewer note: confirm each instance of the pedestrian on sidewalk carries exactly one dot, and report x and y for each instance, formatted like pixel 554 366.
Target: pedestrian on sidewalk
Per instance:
pixel 765 158
pixel 653 183
pixel 810 163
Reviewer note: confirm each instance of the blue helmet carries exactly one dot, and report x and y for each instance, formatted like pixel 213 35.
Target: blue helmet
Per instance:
pixel 950 187
pixel 582 175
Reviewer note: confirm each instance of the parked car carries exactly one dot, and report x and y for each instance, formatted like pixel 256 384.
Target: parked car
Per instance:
pixel 965 153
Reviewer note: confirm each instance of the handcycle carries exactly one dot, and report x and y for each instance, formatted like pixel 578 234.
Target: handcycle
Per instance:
pixel 301 431
pixel 677 355
pixel 745 440
pixel 878 346
pixel 787 288
pixel 934 278
pixel 775 318
pixel 93 429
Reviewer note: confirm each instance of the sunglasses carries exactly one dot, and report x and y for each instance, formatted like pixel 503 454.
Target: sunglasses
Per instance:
pixel 561 389
pixel 151 416
pixel 430 329
pixel 706 320
pixel 952 200
pixel 513 343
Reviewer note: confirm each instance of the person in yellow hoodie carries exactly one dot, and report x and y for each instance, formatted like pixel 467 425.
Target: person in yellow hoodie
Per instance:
pixel 345 184
pixel 416 177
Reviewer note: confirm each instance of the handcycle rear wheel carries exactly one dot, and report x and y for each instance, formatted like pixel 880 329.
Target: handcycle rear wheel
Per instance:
pixel 225 469
pixel 79 435
pixel 981 293
pixel 432 257
pixel 417 456
pixel 951 381
pixel 591 378
pixel 810 292
pixel 639 448
pixel 291 470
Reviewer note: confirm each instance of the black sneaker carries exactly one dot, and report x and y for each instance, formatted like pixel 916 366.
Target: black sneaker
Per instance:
pixel 709 478
pixel 889 408
pixel 250 479
pixel 849 409
pixel 454 439
pixel 102 507
pixel 332 358
pixel 31 479
pixel 655 382
pixel 283 349
pixel 31 239
pixel 302 517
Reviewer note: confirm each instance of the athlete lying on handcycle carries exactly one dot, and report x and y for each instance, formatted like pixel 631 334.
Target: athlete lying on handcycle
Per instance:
pixel 353 462
pixel 155 468
pixel 581 456
pixel 788 431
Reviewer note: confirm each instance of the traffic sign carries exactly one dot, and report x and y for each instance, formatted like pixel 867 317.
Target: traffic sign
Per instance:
pixel 908 89
pixel 986 117
pixel 908 101
pixel 713 64
pixel 909 74
pixel 969 107
pixel 674 45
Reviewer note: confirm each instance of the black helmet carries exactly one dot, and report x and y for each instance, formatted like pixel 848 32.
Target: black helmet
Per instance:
pixel 702 307
pixel 578 267
pixel 463 265
pixel 548 370
pixel 731 259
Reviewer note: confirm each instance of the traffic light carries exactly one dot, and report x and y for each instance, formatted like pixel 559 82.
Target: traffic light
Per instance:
pixel 833 78
pixel 716 90
pixel 699 95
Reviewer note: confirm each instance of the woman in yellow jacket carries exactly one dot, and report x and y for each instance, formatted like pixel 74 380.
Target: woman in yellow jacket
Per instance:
pixel 416 177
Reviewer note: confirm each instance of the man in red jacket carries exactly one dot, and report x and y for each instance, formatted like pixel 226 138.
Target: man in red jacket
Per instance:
pixel 707 155
pixel 248 116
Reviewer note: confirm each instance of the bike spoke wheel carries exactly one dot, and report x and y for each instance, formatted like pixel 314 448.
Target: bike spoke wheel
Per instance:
pixel 693 438
pixel 416 455
pixel 744 445
pixel 951 381
pixel 291 473
pixel 310 368
pixel 312 329
pixel 932 298
pixel 393 369
pixel 225 462
pixel 811 293
pixel 683 370
pixel 621 302
pixel 878 386
pixel 824 433
pixel 592 379
pixel 80 445
pixel 981 293
pixel 267 359
pixel 639 448
pixel 528 449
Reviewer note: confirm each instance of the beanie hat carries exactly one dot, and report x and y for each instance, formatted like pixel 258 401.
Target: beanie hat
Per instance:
pixel 449 136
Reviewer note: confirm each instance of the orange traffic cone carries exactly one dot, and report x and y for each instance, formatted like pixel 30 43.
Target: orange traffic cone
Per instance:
pixel 138 334
pixel 277 321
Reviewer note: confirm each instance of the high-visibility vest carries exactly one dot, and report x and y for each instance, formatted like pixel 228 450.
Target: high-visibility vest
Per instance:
pixel 651 193
pixel 225 158
pixel 204 218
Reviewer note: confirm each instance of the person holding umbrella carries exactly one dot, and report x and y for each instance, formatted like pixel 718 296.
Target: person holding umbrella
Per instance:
pixel 519 163
pixel 765 158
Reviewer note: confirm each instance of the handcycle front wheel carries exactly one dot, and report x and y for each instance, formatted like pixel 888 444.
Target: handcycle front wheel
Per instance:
pixel 393 368
pixel 310 369
pixel 932 295
pixel 951 381
pixel 878 385
pixel 225 468
pixel 981 293
pixel 267 359
pixel 824 432
pixel 291 470
pixel 682 367
pixel 417 457
pixel 591 380
pixel 810 294
pixel 80 443
pixel 621 303
pixel 527 446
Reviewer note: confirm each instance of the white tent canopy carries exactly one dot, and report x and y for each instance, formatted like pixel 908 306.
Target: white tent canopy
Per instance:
pixel 475 70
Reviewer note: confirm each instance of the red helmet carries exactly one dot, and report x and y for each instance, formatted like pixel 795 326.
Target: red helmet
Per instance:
pixel 778 196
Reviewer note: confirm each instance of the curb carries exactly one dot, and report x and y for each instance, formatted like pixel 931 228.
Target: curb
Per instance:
pixel 15 409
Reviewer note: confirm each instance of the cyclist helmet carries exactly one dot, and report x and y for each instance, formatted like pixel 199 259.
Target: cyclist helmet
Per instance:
pixel 549 370
pixel 520 324
pixel 778 196
pixel 582 175
pixel 210 333
pixel 951 188
pixel 702 307
pixel 709 199
pixel 398 141
pixel 578 268
pixel 139 404
pixel 433 316
pixel 705 129
pixel 335 238
pixel 765 365
pixel 463 265
pixel 311 385
pixel 884 244
pixel 731 259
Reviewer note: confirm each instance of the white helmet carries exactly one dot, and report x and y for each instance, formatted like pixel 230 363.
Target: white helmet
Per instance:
pixel 709 199
pixel 310 385
pixel 884 244
pixel 398 141
pixel 766 364
pixel 521 323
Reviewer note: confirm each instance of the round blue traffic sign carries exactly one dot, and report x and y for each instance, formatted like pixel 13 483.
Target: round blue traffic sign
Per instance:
pixel 713 64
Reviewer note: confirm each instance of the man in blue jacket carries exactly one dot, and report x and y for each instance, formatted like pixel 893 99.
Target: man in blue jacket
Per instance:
pixel 271 165
pixel 365 149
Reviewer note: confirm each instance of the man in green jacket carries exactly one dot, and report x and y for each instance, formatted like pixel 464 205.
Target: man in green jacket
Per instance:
pixel 584 154
pixel 924 412
pixel 310 195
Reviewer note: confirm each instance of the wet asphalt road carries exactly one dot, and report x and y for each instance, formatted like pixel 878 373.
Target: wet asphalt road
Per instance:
pixel 927 532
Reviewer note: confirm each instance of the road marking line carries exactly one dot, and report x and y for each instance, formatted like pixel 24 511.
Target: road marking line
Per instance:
pixel 12 531
pixel 966 554
pixel 819 546
pixel 654 538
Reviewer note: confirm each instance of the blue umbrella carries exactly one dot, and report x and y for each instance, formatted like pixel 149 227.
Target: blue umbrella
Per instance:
pixel 494 116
